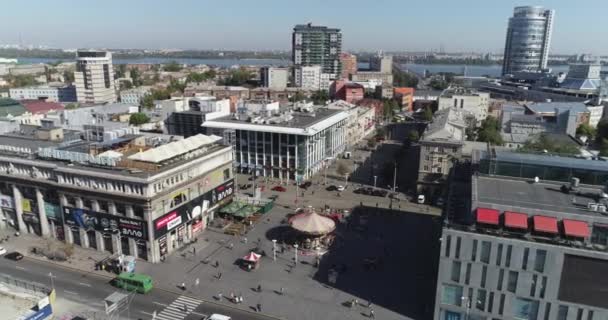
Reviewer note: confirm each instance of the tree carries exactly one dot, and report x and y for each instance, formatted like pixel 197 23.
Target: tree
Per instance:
pixel 439 84
pixel 172 66
pixel 121 71
pixel 126 85
pixel 237 77
pixel 489 131
pixel 371 143
pixel 210 74
pixel 147 101
pixel 135 77
pixel 175 86
pixel 320 97
pixel 389 108
pixel 138 118
pixel 196 77
pixel 343 169
pixel 413 135
pixel 427 114
pixel 71 106
pixel 404 79
pixel 68 76
pixel 17 81
pixel 603 145
pixel 544 143
pixel 299 96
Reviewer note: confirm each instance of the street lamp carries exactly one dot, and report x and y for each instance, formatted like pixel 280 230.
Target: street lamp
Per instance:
pixel 296 256
pixel 274 249
pixel 375 179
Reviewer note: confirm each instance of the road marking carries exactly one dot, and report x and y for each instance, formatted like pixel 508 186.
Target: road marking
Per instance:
pixel 199 314
pixel 70 292
pixel 20 268
pixel 146 313
pixel 84 284
pixel 160 304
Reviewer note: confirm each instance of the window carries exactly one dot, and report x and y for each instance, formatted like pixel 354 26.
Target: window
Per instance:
pixel 524 261
pixel 480 304
pixel 501 276
pixel 547 310
pixel 484 273
pixel 562 313
pixel 579 314
pixel 490 302
pixel 539 263
pixel 512 281
pixel 501 305
pixel 456 271
pixel 426 168
pixel 474 251
pixel 457 253
pixel 508 259
pixel 525 309
pixel 543 286
pixel 599 235
pixel 499 255
pixel 467 276
pixel 590 315
pixel 448 244
pixel 451 295
pixel 486 248
pixel 226 174
pixel 533 285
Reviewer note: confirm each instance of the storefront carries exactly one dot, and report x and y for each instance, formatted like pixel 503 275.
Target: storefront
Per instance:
pixel 7 208
pixel 53 215
pixel 30 216
pixel 183 224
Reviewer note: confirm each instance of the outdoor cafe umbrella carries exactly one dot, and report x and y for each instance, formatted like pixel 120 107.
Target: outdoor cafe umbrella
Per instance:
pixel 313 224
pixel 252 257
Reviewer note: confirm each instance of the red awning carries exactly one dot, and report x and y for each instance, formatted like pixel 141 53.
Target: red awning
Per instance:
pixel 545 224
pixel 516 220
pixel 487 216
pixel 576 228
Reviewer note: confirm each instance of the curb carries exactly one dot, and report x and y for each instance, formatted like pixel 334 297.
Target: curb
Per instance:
pixel 158 288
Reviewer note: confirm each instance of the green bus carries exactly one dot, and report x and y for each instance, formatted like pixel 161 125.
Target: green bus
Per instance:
pixel 130 281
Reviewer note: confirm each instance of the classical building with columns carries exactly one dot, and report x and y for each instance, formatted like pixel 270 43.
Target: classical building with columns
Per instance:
pixel 290 143
pixel 137 195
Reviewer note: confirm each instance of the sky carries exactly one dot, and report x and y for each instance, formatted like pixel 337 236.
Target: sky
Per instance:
pixel 403 25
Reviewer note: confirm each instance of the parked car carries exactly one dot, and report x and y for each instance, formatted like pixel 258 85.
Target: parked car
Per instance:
pixel 341 188
pixel 217 316
pixel 421 198
pixel 306 184
pixel 279 188
pixel 379 193
pixel 331 188
pixel 15 256
pixel 274 197
pixel 2 251
pixel 246 186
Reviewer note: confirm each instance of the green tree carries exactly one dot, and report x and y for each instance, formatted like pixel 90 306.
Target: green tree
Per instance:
pixel 381 133
pixel 126 85
pixel 68 76
pixel 603 145
pixel 404 79
pixel 210 74
pixel 389 107
pixel 135 76
pixel 17 81
pixel 489 131
pixel 427 114
pixel 585 130
pixel 121 71
pixel 237 77
pixel 439 84
pixel 601 131
pixel 371 143
pixel 544 143
pixel 343 169
pixel 413 135
pixel 299 96
pixel 147 101
pixel 71 106
pixel 320 97
pixel 138 118
pixel 196 77
pixel 172 66
pixel 176 86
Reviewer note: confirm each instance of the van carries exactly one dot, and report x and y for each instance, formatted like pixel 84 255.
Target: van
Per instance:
pixel 137 282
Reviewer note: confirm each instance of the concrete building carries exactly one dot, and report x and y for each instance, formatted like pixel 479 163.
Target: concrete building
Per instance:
pixel 317 45
pixel 528 40
pixel 360 123
pixel 517 249
pixel 94 77
pixel 583 76
pixel 386 78
pixel 187 122
pixel 274 78
pixel 347 91
pixel 405 97
pixel 232 93
pixel 440 144
pixel 472 102
pixel 291 144
pixel 50 92
pixel 381 63
pixel 309 77
pixel 349 65
pixel 134 96
pixel 27 69
pixel 282 96
pixel 136 195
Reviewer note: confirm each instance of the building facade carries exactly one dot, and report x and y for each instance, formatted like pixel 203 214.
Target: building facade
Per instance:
pixel 274 78
pixel 134 96
pixel 471 102
pixel 94 77
pixel 63 93
pixel 317 45
pixel 381 63
pixel 405 97
pixel 349 65
pixel 146 205
pixel 528 40
pixel 291 145
pixel 309 77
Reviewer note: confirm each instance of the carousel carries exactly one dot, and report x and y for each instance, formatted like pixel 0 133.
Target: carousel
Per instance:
pixel 314 231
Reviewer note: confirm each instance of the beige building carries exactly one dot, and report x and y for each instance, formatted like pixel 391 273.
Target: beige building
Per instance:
pixel 472 102
pixel 94 77
pixel 360 121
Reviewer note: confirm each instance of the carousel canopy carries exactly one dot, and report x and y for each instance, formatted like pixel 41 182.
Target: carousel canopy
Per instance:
pixel 252 257
pixel 313 224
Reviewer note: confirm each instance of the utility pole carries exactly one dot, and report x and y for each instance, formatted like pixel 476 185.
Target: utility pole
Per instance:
pixel 395 178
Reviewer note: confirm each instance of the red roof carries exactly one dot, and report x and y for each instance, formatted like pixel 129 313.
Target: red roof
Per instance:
pixel 545 224
pixel 516 220
pixel 576 228
pixel 38 106
pixel 487 216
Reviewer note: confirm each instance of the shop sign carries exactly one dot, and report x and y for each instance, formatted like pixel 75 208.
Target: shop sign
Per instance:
pixel 26 205
pixel 6 202
pixel 222 192
pixel 181 233
pixel 52 211
pixel 197 226
pixel 83 218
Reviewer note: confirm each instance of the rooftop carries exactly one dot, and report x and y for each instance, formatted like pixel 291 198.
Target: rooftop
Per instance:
pixel 551 107
pixel 448 93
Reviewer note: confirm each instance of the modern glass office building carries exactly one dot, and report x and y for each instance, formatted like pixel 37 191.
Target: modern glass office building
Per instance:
pixel 528 40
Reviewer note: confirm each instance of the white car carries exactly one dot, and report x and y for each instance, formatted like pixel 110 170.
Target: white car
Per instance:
pixel 216 316
pixel 2 251
pixel 341 188
pixel 421 198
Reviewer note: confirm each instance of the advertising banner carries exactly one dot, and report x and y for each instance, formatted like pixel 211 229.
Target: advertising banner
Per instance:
pixel 84 218
pixel 26 205
pixel 52 211
pixel 6 202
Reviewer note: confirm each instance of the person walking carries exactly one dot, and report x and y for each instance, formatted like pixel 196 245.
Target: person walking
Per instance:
pixel 194 250
pixel 259 306
pixel 219 296
pixel 219 276
pixel 372 314
pixel 183 286
pixel 282 290
pixel 259 288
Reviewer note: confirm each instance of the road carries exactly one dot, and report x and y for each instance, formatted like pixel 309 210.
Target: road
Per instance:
pixel 90 289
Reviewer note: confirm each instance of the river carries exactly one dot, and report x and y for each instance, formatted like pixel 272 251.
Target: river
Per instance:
pixel 473 71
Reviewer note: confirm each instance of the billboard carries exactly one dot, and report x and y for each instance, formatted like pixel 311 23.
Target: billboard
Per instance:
pixel 6 202
pixel 87 219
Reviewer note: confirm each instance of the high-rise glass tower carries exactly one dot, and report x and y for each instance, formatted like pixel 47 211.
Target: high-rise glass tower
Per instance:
pixel 317 45
pixel 528 40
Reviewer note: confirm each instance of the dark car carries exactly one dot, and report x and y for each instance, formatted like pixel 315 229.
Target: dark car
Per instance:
pixel 246 186
pixel 306 184
pixel 331 188
pixel 379 193
pixel 278 188
pixel 15 256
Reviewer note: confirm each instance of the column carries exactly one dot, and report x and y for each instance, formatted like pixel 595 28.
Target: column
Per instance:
pixel 67 231
pixel 132 242
pixel 116 245
pixel 153 249
pixel 84 238
pixel 44 222
pixel 95 206
pixel 19 209
pixel 101 244
pixel 111 207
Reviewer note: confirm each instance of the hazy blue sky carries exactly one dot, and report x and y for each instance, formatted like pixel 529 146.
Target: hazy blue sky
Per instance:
pixel 580 26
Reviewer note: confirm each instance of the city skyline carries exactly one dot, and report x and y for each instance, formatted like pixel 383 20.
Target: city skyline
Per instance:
pixel 268 26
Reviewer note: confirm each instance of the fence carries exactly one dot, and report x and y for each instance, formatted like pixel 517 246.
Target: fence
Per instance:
pixel 25 285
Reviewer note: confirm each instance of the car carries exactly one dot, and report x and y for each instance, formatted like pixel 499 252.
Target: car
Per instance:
pixel 246 186
pixel 379 193
pixel 279 188
pixel 331 188
pixel 15 256
pixel 341 188
pixel 421 199
pixel 2 251
pixel 274 197
pixel 359 191
pixel 306 184
pixel 217 316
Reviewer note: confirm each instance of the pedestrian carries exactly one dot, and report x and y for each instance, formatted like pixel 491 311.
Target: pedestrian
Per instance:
pixel 259 306
pixel 231 246
pixel 282 290
pixel 245 240
pixel 183 286
pixel 356 302
pixel 372 314
pixel 197 282
pixel 219 296
pixel 259 288
pixel 194 250
pixel 217 263
pixel 219 276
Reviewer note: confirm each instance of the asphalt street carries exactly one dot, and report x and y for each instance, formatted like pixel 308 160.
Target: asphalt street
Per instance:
pixel 90 289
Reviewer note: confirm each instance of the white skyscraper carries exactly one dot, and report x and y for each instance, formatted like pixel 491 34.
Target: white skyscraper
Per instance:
pixel 94 77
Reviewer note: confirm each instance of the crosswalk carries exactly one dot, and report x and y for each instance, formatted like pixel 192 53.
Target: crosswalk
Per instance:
pixel 178 309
